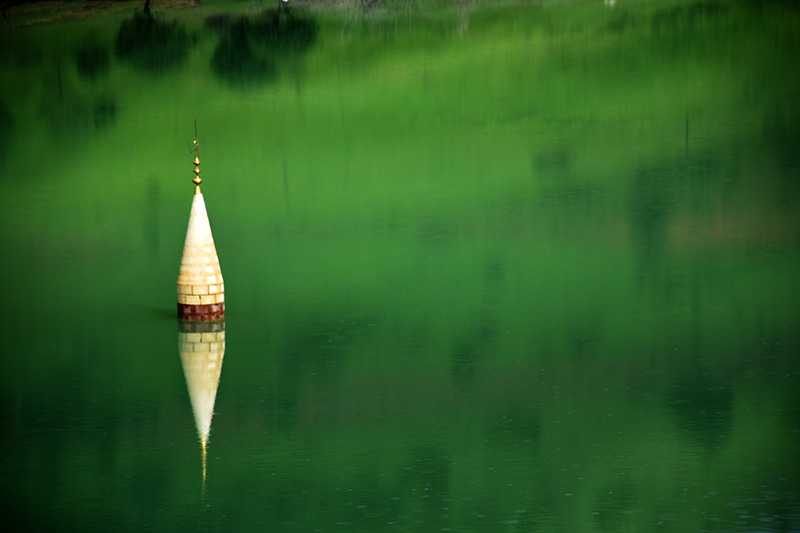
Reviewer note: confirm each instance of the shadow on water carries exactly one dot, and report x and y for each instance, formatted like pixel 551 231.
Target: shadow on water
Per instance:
pixel 670 20
pixel 285 30
pixel 159 313
pixel 152 219
pixel 621 21
pixel 92 61
pixel 71 114
pixel 553 165
pixel 651 206
pixel 469 350
pixel 68 111
pixel 6 128
pixel 251 49
pixel 19 53
pixel 150 44
pixel 780 135
pixel 702 403
pixel 515 426
pixel 104 112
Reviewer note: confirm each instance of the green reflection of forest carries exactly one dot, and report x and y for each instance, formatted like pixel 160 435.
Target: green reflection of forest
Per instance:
pixel 495 269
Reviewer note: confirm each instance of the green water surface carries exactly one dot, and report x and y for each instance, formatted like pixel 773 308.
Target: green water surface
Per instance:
pixel 488 267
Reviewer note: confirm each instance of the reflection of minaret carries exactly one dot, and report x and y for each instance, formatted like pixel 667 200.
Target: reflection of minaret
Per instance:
pixel 202 347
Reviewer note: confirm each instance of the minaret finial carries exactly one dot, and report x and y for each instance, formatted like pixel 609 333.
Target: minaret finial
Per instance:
pixel 197 180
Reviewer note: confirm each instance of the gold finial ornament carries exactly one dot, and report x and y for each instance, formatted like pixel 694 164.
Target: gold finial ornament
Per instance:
pixel 197 180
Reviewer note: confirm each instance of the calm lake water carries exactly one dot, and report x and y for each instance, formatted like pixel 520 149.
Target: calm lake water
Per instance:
pixel 488 269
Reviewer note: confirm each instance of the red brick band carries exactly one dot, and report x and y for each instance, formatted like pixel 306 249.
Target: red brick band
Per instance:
pixel 201 313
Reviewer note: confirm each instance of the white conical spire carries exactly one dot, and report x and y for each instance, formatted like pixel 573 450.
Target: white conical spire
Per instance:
pixel 199 263
pixel 202 354
pixel 201 291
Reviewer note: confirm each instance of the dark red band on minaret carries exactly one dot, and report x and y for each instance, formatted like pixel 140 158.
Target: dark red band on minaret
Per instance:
pixel 201 313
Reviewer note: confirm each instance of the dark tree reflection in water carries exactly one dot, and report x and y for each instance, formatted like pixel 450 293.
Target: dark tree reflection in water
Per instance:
pixel 252 49
pixel 236 62
pixel 6 126
pixel 702 403
pixel 19 53
pixel 285 30
pixel 152 45
pixel 69 110
pixel 92 61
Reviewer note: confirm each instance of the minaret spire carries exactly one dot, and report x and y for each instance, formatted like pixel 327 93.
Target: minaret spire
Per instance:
pixel 201 290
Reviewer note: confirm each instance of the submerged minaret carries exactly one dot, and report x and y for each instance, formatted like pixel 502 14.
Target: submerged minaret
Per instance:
pixel 201 310
pixel 202 349
pixel 201 292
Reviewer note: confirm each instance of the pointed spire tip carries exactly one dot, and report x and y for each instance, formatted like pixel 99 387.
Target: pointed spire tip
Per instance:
pixel 197 180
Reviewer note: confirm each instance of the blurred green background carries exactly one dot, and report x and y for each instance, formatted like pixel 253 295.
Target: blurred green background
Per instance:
pixel 518 267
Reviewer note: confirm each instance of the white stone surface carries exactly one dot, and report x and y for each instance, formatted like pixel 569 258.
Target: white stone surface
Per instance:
pixel 201 357
pixel 199 263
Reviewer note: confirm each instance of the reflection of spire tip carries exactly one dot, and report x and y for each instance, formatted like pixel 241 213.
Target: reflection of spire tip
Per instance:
pixel 204 458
